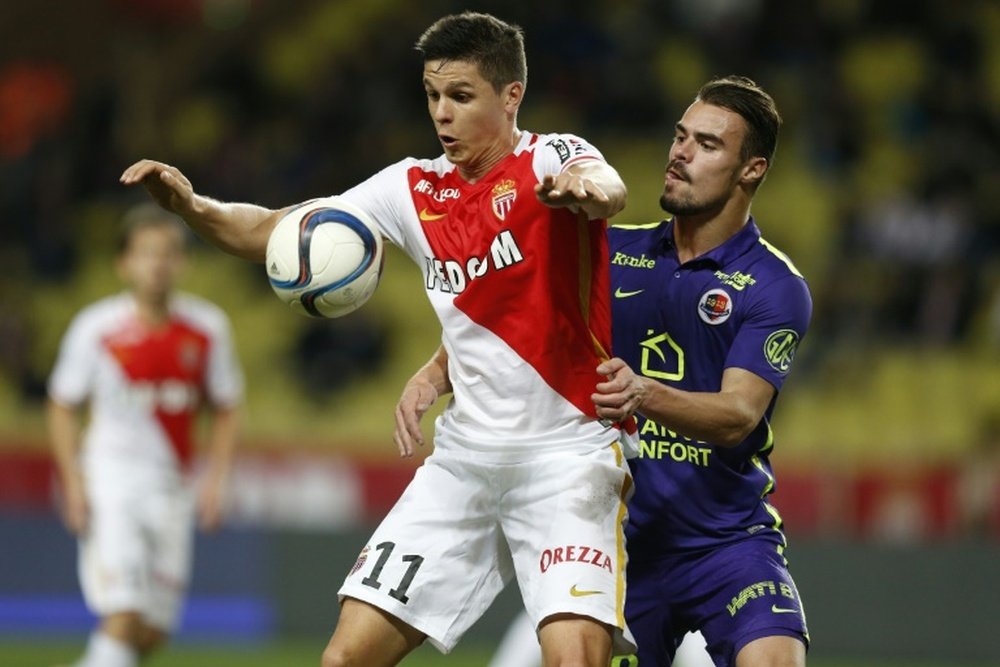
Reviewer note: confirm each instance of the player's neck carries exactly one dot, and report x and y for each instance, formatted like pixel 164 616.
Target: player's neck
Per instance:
pixel 698 234
pixel 152 310
pixel 476 169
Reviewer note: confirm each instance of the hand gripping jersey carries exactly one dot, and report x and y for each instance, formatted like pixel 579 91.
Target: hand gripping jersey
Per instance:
pixel 740 305
pixel 521 291
pixel 145 384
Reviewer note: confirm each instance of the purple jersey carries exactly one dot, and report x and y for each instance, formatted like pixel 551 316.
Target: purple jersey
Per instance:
pixel 741 305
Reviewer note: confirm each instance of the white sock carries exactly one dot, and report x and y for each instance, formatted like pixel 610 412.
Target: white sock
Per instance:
pixel 106 651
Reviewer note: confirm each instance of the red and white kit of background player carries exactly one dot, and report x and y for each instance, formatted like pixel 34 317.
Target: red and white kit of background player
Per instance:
pixel 143 361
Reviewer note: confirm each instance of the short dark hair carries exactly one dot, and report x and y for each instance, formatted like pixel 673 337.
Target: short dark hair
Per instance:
pixel 145 216
pixel 744 97
pixel 495 46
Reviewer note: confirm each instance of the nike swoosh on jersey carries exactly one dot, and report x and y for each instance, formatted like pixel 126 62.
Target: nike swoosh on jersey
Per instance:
pixel 783 610
pixel 427 216
pixel 619 294
pixel 577 593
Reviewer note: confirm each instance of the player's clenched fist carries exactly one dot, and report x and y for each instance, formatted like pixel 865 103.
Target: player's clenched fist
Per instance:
pixel 166 184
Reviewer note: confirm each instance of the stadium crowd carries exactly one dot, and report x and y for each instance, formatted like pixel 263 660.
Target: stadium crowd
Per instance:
pixel 888 169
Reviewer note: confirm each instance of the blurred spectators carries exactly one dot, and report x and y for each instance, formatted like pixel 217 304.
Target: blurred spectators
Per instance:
pixel 891 116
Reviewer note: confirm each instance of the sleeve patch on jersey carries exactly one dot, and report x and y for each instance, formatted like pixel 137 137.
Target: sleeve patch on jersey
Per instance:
pixel 779 349
pixel 561 148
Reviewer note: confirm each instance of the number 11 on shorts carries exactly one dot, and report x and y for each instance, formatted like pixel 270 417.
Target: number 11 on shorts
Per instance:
pixel 385 552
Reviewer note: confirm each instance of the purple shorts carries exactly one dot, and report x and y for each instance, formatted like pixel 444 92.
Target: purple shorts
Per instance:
pixel 733 594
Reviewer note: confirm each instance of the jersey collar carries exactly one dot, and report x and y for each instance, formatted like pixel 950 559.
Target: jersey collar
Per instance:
pixel 735 246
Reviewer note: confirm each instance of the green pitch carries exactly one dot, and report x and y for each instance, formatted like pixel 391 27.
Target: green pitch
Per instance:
pixel 306 654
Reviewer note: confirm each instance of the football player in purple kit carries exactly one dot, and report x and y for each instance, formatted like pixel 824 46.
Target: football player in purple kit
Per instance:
pixel 706 319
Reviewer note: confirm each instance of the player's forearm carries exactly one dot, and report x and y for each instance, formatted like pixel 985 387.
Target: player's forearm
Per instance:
pixel 723 419
pixel 63 429
pixel 222 442
pixel 435 372
pixel 604 176
pixel 239 229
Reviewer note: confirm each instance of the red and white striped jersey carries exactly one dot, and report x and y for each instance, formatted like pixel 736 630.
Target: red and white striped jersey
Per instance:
pixel 144 384
pixel 521 290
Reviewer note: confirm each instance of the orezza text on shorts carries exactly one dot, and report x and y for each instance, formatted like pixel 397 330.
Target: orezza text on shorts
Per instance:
pixel 574 553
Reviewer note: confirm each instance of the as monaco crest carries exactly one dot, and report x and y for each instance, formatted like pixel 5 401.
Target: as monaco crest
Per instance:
pixel 504 194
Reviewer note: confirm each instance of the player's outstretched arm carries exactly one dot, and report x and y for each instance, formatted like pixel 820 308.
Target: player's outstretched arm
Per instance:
pixel 722 418
pixel 419 394
pixel 239 229
pixel 591 186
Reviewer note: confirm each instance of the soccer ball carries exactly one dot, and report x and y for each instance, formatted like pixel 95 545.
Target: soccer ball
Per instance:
pixel 324 258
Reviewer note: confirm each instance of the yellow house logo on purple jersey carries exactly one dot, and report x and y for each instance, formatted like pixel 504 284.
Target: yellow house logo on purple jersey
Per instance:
pixel 715 306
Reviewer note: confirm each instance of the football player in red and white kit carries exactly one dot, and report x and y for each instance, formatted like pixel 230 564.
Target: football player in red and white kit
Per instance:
pixel 143 361
pixel 508 228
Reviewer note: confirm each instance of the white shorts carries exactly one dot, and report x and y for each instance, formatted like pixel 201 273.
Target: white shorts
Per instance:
pixel 462 530
pixel 136 555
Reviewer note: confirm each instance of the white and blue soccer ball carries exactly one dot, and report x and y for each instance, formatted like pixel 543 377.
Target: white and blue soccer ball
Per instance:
pixel 324 257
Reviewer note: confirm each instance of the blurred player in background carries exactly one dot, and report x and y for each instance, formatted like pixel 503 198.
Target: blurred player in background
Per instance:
pixel 707 317
pixel 143 361
pixel 508 228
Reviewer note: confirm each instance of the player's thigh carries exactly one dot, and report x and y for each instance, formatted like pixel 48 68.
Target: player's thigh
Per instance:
pixel 113 556
pixel 749 594
pixel 169 526
pixel 368 636
pixel 574 640
pixel 563 520
pixel 437 560
pixel 647 611
pixel 774 651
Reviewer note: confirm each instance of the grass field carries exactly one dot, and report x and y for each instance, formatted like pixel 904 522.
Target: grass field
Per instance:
pixel 306 654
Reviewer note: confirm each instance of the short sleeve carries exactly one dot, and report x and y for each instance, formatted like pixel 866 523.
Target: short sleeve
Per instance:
pixel 770 334
pixel 72 378
pixel 381 197
pixel 557 152
pixel 223 375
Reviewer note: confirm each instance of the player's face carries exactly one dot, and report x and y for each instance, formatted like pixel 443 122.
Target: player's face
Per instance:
pixel 152 262
pixel 474 122
pixel 704 165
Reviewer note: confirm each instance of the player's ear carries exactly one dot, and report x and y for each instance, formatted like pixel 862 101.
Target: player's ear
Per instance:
pixel 512 94
pixel 121 267
pixel 754 170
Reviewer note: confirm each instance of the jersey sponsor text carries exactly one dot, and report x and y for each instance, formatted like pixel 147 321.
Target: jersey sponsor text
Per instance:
pixel 453 276
pixel 574 553
pixel 759 590
pixel 640 262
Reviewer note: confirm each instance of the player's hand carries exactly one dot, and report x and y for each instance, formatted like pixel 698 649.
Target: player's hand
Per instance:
pixel 166 185
pixel 210 505
pixel 417 398
pixel 622 394
pixel 569 190
pixel 76 509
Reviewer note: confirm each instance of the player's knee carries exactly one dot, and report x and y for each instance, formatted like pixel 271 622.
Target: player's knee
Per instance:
pixel 151 640
pixel 336 655
pixel 127 627
pixel 777 651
